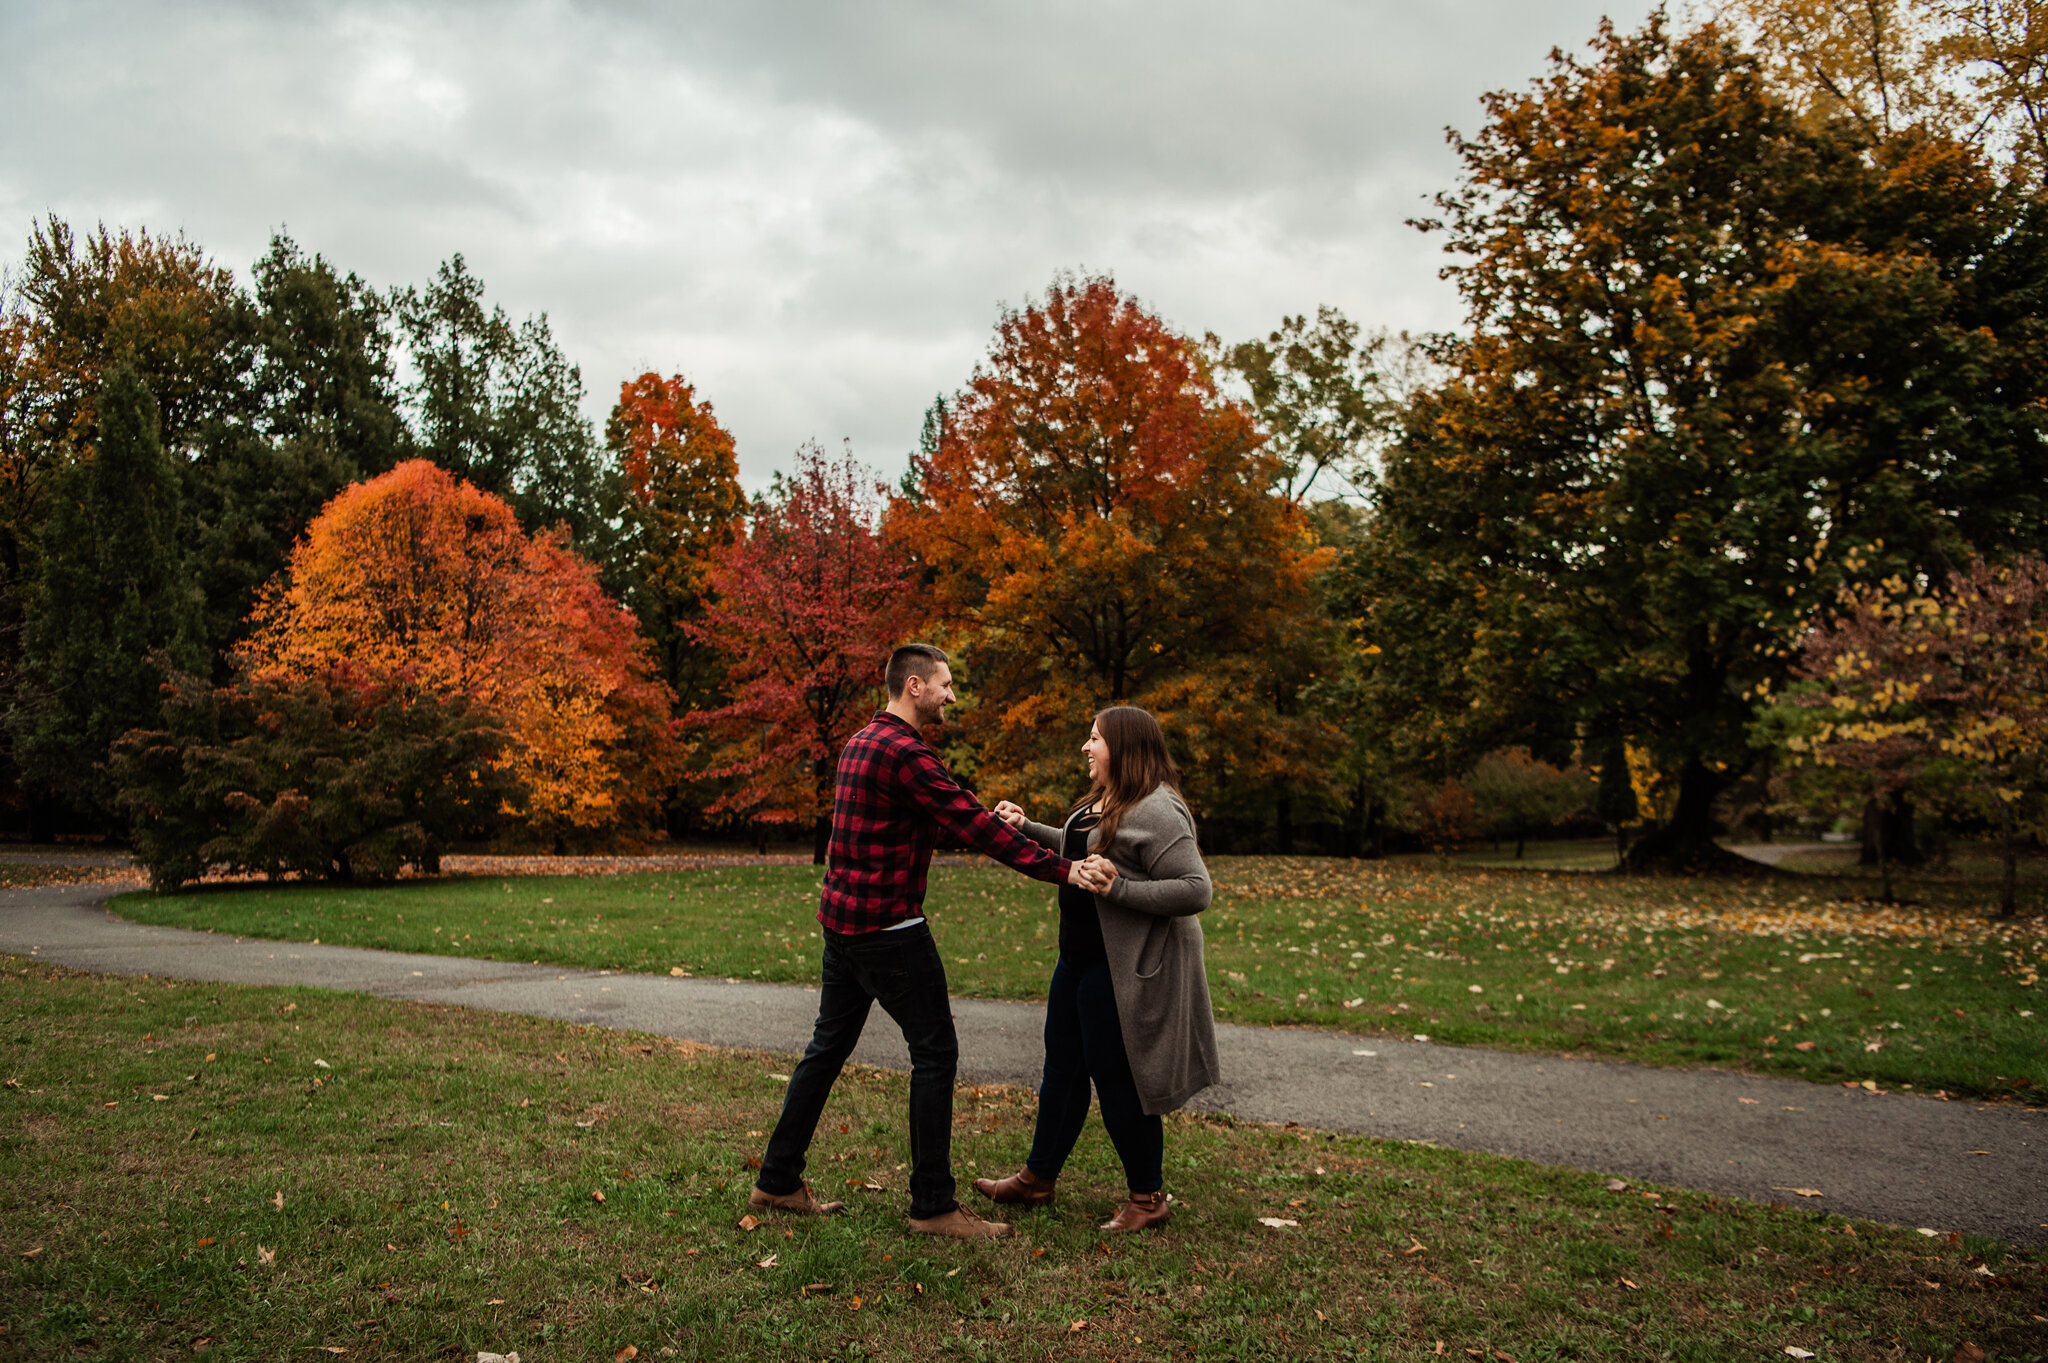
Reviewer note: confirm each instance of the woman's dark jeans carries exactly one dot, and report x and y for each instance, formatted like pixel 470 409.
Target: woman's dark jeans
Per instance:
pixel 900 970
pixel 1084 1040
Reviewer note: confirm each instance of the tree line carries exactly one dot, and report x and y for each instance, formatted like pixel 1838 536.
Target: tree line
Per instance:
pixel 1753 330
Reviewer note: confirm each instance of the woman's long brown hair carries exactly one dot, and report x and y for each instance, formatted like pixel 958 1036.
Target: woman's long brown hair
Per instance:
pixel 1138 765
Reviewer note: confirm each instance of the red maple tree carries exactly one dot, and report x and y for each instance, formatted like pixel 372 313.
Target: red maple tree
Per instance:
pixel 807 606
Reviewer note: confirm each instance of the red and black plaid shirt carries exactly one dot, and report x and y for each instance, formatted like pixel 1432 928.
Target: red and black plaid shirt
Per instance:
pixel 891 797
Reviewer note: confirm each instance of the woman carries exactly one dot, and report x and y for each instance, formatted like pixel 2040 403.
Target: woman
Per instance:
pixel 1129 1004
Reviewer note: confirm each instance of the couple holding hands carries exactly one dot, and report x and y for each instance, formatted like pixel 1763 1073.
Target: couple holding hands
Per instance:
pixel 1128 1008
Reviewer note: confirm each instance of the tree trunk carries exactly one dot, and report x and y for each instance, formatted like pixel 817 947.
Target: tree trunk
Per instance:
pixel 2007 907
pixel 1685 841
pixel 1884 862
pixel 1519 840
pixel 821 833
pixel 1891 823
pixel 1283 818
pixel 1355 820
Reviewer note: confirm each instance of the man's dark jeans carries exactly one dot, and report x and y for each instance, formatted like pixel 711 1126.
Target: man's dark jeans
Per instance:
pixel 900 970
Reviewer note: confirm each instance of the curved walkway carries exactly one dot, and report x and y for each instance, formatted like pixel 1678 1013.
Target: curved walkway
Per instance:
pixel 1889 1157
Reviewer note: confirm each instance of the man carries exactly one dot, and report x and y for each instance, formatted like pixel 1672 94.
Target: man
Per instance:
pixel 891 796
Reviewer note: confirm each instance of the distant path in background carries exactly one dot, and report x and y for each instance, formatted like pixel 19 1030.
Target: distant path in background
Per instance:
pixel 1908 1160
pixel 1772 853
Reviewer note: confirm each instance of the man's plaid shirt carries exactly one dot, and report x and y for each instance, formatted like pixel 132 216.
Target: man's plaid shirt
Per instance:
pixel 891 797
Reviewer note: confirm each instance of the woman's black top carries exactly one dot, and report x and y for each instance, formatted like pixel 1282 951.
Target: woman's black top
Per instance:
pixel 1080 925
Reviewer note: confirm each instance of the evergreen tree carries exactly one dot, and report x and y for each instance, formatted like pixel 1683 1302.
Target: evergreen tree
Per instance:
pixel 111 589
pixel 320 412
pixel 498 405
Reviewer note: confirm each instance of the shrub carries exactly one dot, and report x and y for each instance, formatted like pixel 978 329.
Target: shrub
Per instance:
pixel 334 775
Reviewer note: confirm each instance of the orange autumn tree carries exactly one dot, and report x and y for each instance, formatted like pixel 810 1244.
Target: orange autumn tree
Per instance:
pixel 1102 526
pixel 417 576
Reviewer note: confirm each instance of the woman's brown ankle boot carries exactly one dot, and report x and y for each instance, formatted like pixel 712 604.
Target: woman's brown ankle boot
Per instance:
pixel 1142 1211
pixel 1023 1187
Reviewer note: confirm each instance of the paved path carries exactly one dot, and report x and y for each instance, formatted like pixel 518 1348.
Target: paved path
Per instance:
pixel 1899 1158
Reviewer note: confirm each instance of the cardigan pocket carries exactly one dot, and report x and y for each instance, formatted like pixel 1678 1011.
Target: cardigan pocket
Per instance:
pixel 1152 956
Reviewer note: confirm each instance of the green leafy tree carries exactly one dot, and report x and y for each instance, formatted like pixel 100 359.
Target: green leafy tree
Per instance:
pixel 1320 396
pixel 497 404
pixel 1715 347
pixel 111 589
pixel 321 411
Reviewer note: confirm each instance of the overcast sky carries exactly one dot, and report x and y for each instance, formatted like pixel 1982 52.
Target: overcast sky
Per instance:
pixel 812 209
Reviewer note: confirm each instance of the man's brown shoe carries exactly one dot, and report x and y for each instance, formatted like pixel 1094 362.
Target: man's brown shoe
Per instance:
pixel 1023 1188
pixel 799 1203
pixel 1144 1210
pixel 959 1224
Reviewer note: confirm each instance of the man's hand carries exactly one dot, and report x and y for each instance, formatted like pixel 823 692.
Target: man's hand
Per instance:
pixel 1013 815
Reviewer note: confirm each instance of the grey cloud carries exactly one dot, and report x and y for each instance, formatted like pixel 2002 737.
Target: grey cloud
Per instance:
pixel 811 208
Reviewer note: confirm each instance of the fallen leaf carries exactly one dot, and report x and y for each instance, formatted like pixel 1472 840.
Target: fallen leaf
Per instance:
pixel 597 1195
pixel 1077 1327
pixel 1320 1316
pixel 265 1256
pixel 1415 1246
pixel 1630 1286
pixel 277 1199
pixel 678 972
pixel 1615 1185
pixel 1797 1192
pixel 1803 1046
pixel 951 1271
pixel 35 1253
pixel 1751 1101
pixel 205 1240
pixel 749 1221
pixel 495 1301
pixel 768 1262
pixel 626 1355
pixel 159 1097
pixel 323 1064
pixel 1797 1352
pixel 820 1288
pixel 856 1301
pixel 1276 1222
pixel 1966 1352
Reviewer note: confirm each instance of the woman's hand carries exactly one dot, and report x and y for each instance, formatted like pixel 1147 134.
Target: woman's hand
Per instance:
pixel 1098 873
pixel 1013 815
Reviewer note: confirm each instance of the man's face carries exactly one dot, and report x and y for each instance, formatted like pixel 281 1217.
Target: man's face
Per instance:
pixel 929 696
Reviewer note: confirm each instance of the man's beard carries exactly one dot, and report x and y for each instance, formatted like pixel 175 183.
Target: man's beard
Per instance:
pixel 931 713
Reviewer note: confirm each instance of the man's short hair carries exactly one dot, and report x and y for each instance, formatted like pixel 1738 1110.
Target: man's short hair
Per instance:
pixel 911 660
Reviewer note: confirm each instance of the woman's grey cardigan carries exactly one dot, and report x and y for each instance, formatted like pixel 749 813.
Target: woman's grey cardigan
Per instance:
pixel 1155 947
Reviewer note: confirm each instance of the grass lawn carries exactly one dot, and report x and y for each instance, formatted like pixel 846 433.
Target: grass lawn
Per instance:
pixel 243 1173
pixel 1767 974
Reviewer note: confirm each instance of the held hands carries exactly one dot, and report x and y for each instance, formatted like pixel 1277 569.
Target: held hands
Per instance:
pixel 1095 875
pixel 1011 814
